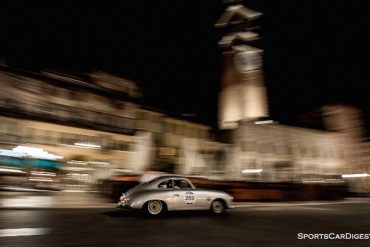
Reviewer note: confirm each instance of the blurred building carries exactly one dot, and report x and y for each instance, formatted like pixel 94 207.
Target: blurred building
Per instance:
pixel 243 93
pixel 86 120
pixel 179 145
pixel 344 119
pixel 275 152
pixel 264 150
pixel 95 125
pixel 347 120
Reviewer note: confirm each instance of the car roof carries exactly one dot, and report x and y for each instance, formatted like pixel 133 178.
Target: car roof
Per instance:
pixel 161 178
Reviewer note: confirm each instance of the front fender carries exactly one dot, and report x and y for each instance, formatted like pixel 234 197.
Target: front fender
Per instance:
pixel 228 199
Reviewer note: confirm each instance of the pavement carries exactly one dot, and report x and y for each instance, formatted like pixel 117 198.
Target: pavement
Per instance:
pixel 276 224
pixel 53 200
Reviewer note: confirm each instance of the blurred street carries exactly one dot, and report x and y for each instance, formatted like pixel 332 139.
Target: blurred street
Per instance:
pixel 250 224
pixel 53 199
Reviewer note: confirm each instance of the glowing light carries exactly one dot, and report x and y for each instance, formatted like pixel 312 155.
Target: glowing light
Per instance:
pixel 77 168
pixel 23 151
pixel 252 170
pixel 77 162
pixel 99 163
pixel 87 145
pixel 10 153
pixel 38 173
pixel 264 122
pixel 359 175
pixel 10 170
pixel 23 232
pixel 39 179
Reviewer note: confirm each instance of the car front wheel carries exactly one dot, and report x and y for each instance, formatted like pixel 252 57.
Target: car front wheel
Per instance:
pixel 154 207
pixel 218 207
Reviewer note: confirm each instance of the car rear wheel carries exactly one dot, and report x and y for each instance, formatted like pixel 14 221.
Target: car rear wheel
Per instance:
pixel 154 207
pixel 218 207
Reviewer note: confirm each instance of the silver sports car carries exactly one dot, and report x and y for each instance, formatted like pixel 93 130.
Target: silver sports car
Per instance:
pixel 174 193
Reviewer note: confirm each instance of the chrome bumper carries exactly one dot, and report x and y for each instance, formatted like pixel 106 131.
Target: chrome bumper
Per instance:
pixel 122 205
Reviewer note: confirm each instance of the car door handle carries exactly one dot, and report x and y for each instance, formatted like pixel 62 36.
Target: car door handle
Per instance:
pixel 176 195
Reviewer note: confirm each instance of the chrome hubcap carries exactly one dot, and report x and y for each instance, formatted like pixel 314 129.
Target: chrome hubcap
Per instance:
pixel 217 207
pixel 154 207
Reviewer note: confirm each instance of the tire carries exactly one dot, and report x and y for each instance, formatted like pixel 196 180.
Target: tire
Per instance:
pixel 154 207
pixel 218 207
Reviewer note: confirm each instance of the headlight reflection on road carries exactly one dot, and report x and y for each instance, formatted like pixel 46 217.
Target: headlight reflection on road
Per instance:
pixel 24 232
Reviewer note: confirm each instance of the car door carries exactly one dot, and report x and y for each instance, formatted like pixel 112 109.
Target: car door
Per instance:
pixel 165 192
pixel 203 199
pixel 184 195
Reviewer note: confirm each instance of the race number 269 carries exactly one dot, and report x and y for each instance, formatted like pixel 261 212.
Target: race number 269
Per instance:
pixel 189 197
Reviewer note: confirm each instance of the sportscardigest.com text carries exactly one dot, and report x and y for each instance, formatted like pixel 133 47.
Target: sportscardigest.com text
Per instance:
pixel 333 236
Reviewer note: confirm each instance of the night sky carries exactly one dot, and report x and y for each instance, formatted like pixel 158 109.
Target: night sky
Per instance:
pixel 316 52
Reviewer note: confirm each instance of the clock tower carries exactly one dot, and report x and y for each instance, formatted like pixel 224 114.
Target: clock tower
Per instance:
pixel 243 93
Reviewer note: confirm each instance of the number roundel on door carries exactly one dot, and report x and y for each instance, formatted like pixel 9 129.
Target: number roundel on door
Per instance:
pixel 189 197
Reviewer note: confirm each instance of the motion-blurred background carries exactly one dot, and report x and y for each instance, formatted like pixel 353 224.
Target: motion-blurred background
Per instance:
pixel 101 96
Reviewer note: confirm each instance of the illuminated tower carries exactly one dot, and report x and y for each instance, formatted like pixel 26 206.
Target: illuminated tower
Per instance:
pixel 243 93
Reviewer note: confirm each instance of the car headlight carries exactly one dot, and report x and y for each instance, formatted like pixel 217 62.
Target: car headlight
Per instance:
pixel 125 200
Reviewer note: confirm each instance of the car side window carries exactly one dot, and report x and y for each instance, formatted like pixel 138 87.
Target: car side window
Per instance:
pixel 182 184
pixel 167 184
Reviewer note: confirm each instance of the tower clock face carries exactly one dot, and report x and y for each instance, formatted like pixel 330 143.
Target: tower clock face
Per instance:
pixel 246 61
